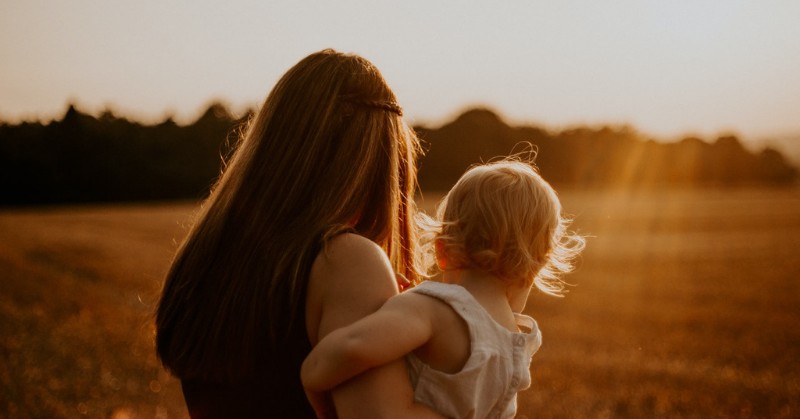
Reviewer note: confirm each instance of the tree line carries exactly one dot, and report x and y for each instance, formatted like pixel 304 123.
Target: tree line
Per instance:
pixel 599 157
pixel 82 158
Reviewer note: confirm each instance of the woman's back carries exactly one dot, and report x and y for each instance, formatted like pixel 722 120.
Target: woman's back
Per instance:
pixel 274 392
pixel 274 389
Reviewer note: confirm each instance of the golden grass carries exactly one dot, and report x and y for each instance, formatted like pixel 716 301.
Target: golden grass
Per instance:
pixel 687 304
pixel 78 286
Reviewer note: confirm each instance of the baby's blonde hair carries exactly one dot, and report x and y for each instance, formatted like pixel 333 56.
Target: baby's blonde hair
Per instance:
pixel 503 218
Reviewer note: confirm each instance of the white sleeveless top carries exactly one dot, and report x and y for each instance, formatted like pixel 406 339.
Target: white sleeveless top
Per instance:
pixel 498 366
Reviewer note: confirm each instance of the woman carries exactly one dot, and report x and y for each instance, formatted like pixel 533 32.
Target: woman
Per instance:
pixel 299 237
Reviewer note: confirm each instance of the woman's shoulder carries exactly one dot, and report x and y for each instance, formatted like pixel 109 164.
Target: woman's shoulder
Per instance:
pixel 350 278
pixel 350 253
pixel 350 262
pixel 347 246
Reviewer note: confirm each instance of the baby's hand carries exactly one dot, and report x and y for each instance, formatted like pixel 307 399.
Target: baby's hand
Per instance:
pixel 322 404
pixel 402 282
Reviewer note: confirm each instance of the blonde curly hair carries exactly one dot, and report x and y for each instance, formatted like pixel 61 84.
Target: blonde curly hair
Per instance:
pixel 502 218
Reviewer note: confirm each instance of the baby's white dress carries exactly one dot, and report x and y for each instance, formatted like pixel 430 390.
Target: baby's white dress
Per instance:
pixel 498 366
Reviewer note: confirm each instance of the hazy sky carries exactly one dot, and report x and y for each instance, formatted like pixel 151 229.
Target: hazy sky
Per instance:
pixel 667 67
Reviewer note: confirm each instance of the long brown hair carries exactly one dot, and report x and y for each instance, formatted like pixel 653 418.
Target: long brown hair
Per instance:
pixel 327 152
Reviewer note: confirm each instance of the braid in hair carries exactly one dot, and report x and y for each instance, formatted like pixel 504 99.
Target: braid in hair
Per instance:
pixel 377 104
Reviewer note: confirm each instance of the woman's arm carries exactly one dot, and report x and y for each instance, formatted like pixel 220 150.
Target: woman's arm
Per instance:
pixel 348 282
pixel 399 327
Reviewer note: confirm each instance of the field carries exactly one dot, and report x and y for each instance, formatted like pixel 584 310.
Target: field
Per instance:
pixel 685 304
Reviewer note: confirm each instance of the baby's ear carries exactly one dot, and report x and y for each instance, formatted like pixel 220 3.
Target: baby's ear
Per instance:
pixel 441 255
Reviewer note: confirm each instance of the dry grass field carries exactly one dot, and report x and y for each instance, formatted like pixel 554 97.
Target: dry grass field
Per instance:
pixel 686 304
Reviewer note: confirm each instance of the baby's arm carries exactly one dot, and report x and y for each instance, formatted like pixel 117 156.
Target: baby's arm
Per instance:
pixel 399 327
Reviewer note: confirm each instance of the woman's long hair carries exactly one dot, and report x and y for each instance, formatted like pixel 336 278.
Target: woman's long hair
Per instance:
pixel 327 152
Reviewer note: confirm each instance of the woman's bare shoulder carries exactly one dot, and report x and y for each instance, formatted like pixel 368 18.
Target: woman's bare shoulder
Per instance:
pixel 350 278
pixel 351 259
pixel 344 249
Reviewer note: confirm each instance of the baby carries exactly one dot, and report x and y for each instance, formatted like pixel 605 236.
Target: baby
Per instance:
pixel 498 232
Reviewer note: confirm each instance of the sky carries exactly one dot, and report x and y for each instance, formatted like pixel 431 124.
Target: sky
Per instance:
pixel 666 68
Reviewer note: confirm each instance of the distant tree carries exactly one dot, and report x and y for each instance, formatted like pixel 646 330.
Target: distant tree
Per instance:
pixel 80 158
pixel 597 157
pixel 83 159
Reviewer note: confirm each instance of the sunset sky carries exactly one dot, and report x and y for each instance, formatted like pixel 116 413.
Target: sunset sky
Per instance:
pixel 668 68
